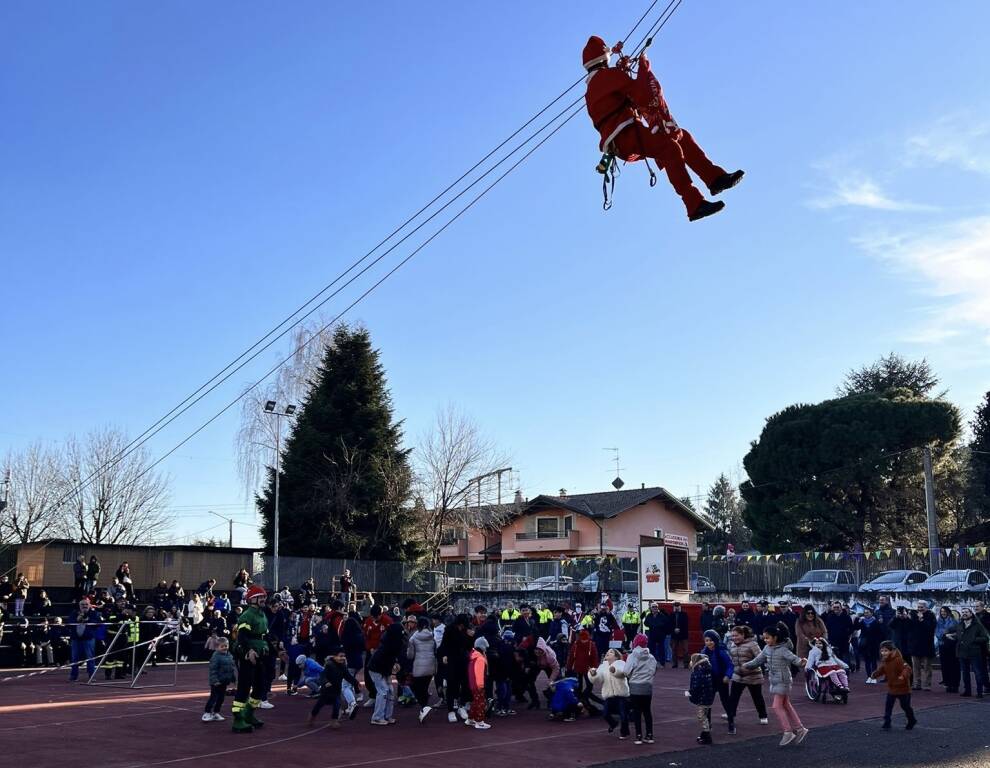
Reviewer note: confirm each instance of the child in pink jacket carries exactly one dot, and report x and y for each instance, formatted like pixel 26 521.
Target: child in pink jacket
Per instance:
pixel 477 669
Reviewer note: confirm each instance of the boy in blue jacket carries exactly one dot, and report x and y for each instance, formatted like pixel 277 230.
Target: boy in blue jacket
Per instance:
pixel 702 695
pixel 564 702
pixel 722 669
pixel 309 674
pixel 222 673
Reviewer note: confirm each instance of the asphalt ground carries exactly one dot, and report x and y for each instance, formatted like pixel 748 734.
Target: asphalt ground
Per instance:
pixel 951 736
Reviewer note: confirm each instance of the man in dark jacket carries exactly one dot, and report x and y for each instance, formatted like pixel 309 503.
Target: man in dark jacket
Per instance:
pixel 764 618
pixel 884 613
pixel 746 615
pixel 840 626
pixel 788 616
pixel 657 624
pixel 921 643
pixel 707 617
pixel 83 627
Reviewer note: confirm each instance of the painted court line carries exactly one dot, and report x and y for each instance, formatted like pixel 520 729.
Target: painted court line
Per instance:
pixel 151 698
pixel 155 711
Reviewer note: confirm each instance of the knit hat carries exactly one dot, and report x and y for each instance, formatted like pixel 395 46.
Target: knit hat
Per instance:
pixel 254 591
pixel 508 635
pixel 640 641
pixel 481 644
pixel 698 658
pixel 300 659
pixel 595 52
pixel 711 634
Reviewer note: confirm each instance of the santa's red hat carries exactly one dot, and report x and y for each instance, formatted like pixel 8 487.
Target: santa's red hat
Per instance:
pixel 595 52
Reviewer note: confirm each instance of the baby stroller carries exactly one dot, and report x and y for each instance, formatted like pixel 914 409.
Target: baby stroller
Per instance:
pixel 821 681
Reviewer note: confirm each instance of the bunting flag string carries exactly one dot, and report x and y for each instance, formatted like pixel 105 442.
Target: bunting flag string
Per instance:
pixel 877 554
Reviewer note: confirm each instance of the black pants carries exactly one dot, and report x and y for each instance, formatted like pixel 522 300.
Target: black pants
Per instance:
pixel 617 705
pixel 722 689
pixel 327 696
pixel 950 666
pixel 904 699
pixel 421 690
pixel 586 694
pixel 641 708
pixel 250 680
pixel 215 702
pixel 457 687
pixel 735 694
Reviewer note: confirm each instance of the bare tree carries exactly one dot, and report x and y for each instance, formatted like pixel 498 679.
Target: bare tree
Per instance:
pixel 254 442
pixel 450 454
pixel 126 501
pixel 32 495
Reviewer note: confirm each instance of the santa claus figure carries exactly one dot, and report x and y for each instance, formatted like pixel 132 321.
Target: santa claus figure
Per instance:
pixel 634 121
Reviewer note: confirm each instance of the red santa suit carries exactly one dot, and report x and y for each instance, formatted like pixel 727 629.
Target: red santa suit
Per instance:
pixel 615 102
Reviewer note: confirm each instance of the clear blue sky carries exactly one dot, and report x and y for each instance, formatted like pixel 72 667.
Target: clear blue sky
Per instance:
pixel 174 179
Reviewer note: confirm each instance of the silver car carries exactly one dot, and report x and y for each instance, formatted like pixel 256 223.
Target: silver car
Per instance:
pixel 893 581
pixel 825 580
pixel 969 581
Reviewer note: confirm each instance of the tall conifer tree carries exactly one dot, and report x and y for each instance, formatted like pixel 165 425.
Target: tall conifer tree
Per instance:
pixel 345 481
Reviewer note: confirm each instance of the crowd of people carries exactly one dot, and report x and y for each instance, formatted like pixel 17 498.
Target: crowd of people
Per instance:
pixel 344 650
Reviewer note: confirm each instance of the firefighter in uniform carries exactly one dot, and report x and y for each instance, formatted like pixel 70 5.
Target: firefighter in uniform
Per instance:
pixel 250 649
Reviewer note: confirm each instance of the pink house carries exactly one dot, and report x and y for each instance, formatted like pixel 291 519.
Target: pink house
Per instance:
pixel 591 524
pixel 582 525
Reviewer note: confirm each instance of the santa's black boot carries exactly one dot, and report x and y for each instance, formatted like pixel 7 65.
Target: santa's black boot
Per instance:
pixel 726 181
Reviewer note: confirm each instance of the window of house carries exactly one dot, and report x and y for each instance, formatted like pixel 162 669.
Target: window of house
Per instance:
pixel 547 527
pixel 677 569
pixel 568 524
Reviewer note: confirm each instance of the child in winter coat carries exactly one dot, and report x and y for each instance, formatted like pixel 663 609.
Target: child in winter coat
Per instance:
pixel 822 658
pixel 615 691
pixel 778 659
pixel 743 648
pixel 477 669
pixel 640 669
pixel 721 664
pixel 564 704
pixel 702 694
pixel 222 672
pixel 331 687
pixel 581 659
pixel 898 677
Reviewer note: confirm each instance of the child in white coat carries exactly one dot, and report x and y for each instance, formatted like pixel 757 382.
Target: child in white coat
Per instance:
pixel 615 691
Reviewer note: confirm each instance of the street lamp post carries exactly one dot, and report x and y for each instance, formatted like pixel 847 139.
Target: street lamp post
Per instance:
pixel 271 407
pixel 230 527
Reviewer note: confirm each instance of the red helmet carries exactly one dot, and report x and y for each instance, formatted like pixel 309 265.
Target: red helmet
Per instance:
pixel 595 52
pixel 254 591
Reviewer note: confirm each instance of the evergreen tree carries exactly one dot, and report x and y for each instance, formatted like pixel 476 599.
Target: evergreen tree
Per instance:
pixel 891 372
pixel 345 481
pixel 724 511
pixel 978 486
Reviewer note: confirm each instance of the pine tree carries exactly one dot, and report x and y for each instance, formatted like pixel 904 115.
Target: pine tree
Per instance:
pixel 345 481
pixel 724 511
pixel 978 486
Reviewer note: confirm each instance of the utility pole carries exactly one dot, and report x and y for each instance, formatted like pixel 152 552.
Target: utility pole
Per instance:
pixel 933 558
pixel 230 527
pixel 271 409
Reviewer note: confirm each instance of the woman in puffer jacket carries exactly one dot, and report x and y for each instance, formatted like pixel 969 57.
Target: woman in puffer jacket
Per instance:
pixel 422 651
pixel 743 648
pixel 615 691
pixel 546 660
pixel 641 666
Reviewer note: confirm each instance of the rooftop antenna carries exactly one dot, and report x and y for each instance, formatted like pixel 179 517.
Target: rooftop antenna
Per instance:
pixel 618 482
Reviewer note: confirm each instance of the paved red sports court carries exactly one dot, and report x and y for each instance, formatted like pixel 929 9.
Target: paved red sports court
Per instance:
pixel 43 719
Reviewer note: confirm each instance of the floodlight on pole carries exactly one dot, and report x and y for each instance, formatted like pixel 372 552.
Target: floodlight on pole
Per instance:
pixel 271 408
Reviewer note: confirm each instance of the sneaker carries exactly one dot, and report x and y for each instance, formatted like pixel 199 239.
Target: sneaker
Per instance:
pixel 350 709
pixel 379 722
pixel 764 721
pixel 469 722
pixel 726 181
pixel 462 713
pixel 390 720
pixel 799 735
pixel 266 705
pixel 217 717
pixel 451 717
pixel 732 730
pixel 424 712
pixel 706 208
pixel 622 738
pixel 649 738
pixel 787 738
pixel 369 703
pixel 725 716
pixel 510 711
pixel 639 740
pixel 570 719
pixel 282 678
pixel 482 726
pixel 207 717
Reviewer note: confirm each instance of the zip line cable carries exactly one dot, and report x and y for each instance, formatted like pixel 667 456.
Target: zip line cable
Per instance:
pixel 285 325
pixel 227 372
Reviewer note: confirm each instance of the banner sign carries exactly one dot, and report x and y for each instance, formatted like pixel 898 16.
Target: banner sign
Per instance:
pixel 652 573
